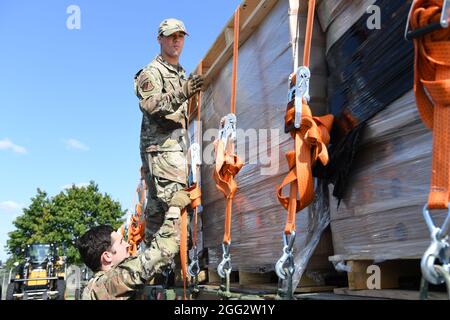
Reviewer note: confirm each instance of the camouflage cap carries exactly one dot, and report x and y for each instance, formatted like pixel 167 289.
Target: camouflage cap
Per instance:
pixel 171 25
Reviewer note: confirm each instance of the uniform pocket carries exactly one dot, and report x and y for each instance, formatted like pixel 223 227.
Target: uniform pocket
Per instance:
pixel 171 165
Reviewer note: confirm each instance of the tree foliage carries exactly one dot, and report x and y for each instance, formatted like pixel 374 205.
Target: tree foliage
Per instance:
pixel 62 219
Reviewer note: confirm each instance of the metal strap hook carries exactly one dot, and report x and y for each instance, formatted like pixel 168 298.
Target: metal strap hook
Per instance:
pixel 439 249
pixel 287 257
pixel 225 264
pixel 194 267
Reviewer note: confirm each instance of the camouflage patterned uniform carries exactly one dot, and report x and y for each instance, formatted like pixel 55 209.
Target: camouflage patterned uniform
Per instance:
pixel 127 279
pixel 163 139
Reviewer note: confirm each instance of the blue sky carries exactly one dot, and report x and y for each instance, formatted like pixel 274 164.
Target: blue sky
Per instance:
pixel 68 113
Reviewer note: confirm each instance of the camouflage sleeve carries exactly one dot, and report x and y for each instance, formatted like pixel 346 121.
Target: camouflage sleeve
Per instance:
pixel 149 89
pixel 124 280
pixel 136 271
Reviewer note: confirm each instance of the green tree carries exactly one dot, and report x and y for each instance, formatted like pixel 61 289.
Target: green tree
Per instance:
pixel 29 226
pixel 63 219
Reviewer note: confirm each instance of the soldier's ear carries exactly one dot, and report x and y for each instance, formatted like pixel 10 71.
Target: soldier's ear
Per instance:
pixel 106 258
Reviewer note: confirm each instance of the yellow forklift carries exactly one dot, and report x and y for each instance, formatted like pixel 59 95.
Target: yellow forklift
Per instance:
pixel 40 277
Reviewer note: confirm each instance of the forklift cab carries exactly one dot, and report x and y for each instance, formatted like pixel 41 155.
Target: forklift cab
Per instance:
pixel 40 254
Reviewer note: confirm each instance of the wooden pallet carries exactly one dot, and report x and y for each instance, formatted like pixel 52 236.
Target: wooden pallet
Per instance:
pixel 256 292
pixel 399 279
pixel 390 294
pixel 368 274
pixel 267 283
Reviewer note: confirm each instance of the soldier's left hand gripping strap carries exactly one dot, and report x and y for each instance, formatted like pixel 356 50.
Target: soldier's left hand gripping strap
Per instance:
pixel 136 229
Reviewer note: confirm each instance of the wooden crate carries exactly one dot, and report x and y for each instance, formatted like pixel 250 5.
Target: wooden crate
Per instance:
pixel 267 283
pixel 398 279
pixel 389 294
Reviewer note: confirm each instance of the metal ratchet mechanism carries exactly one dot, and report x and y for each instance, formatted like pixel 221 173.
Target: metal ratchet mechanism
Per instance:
pixel 195 161
pixel 227 131
pixel 300 91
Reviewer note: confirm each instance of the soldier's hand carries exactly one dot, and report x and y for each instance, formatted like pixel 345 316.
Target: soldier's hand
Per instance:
pixel 193 85
pixel 180 199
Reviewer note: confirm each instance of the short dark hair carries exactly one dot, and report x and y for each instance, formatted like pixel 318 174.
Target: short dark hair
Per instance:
pixel 93 243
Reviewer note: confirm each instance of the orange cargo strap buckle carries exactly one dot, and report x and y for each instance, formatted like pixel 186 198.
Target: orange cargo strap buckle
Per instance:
pixel 429 21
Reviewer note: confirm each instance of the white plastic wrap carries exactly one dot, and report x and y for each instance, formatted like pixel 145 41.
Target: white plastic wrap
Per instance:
pixel 318 214
pixel 265 62
pixel 328 10
pixel 337 17
pixel 380 216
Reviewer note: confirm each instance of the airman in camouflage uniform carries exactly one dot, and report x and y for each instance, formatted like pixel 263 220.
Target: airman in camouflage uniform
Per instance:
pixel 125 279
pixel 163 91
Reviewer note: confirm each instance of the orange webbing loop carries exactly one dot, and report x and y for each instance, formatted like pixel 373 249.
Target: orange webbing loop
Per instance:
pixel 227 166
pixel 136 228
pixel 432 71
pixel 310 144
pixel 195 194
pixel 228 163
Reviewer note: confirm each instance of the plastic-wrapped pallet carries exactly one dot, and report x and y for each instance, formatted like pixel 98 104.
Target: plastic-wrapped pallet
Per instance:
pixel 338 16
pixel 265 62
pixel 369 68
pixel 380 216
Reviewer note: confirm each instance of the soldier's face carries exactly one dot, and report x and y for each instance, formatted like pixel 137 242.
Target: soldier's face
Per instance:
pixel 173 44
pixel 119 248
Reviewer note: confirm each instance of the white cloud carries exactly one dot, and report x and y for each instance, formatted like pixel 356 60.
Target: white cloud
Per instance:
pixel 10 207
pixel 78 185
pixel 75 144
pixel 7 144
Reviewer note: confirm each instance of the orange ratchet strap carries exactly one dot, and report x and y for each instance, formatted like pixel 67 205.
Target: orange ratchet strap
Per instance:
pixel 228 163
pixel 429 21
pixel 195 189
pixel 311 136
pixel 432 71
pixel 311 139
pixel 134 229
pixel 195 195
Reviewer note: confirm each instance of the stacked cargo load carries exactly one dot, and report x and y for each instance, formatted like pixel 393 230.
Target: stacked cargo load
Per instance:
pixel 381 151
pixel 373 190
pixel 265 63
